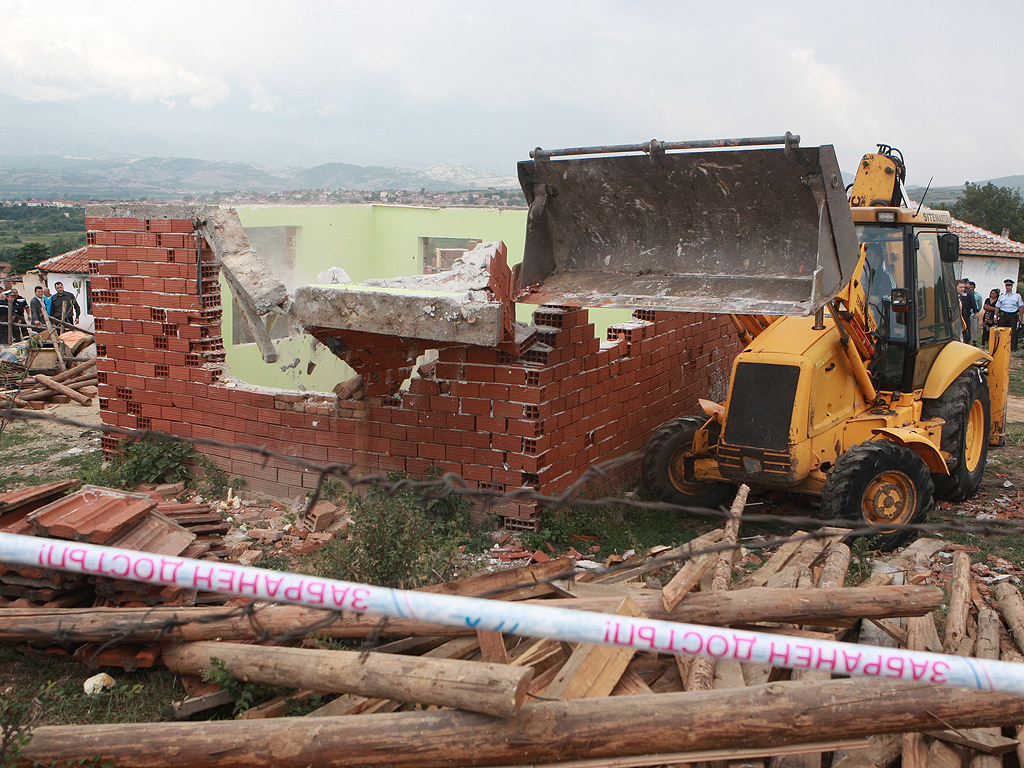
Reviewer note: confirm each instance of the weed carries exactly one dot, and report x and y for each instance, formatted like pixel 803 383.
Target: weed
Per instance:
pixel 400 539
pixel 610 528
pixel 155 461
pixel 860 562
pixel 17 718
pixel 245 695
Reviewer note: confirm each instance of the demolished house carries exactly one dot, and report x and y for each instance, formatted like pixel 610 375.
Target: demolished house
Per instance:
pixel 503 405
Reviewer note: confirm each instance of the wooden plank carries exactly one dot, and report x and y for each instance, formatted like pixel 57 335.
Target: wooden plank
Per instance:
pixel 775 563
pixel 492 646
pixel 630 684
pixel 507 584
pixel 593 670
pixel 180 710
pixel 978 739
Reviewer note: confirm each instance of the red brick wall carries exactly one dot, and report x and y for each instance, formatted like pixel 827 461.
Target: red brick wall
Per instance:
pixel 500 421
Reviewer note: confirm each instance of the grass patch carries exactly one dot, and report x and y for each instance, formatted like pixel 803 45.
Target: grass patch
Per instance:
pixel 15 435
pixel 602 531
pixel 1016 376
pixel 137 697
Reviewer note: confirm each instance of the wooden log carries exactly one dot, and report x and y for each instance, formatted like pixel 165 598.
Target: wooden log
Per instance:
pixel 987 647
pixel 689 574
pixel 702 670
pixel 773 715
pixel 1009 652
pixel 915 746
pixel 959 602
pixel 56 386
pixel 186 624
pixel 1011 605
pixel 833 576
pixel 70 374
pixel 42 394
pixel 835 567
pixel 495 689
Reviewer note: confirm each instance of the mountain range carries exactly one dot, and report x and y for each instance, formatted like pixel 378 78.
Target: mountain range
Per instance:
pixel 50 150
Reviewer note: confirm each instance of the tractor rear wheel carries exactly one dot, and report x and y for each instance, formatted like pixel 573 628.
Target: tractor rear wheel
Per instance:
pixel 881 484
pixel 964 406
pixel 664 467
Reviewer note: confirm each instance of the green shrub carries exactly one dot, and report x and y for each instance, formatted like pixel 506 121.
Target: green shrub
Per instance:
pixel 400 539
pixel 152 460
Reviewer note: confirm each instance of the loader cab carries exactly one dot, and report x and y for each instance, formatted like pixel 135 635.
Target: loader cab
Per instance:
pixel 908 277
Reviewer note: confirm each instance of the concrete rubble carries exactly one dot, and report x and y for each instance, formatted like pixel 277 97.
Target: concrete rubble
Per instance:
pixel 459 305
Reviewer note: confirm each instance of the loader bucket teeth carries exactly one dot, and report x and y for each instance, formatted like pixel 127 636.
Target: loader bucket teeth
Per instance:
pixel 763 231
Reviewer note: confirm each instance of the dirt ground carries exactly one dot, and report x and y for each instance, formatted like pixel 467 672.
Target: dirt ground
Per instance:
pixel 34 450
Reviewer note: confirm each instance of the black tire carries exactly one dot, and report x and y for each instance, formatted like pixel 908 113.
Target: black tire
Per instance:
pixel 663 467
pixel 883 484
pixel 965 408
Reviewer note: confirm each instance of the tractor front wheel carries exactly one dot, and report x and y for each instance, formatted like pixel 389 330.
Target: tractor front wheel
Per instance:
pixel 883 485
pixel 665 467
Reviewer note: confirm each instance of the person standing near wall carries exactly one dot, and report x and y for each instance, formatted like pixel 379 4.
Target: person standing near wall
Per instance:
pixel 1009 304
pixel 973 290
pixel 36 308
pixel 64 308
pixel 966 299
pixel 989 314
pixel 17 308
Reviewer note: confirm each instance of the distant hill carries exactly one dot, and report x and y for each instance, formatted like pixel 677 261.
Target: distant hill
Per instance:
pixel 168 178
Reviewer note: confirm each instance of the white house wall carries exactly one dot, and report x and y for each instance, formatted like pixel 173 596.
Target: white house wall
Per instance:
pixel 75 285
pixel 988 272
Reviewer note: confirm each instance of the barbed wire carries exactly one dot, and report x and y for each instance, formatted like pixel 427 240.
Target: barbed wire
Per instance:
pixel 449 484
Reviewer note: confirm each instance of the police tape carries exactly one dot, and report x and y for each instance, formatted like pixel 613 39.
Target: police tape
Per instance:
pixel 530 620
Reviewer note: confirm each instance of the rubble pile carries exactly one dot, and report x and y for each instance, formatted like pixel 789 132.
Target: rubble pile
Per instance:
pixel 425 678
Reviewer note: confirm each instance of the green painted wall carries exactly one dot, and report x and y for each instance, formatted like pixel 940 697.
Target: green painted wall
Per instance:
pixel 366 241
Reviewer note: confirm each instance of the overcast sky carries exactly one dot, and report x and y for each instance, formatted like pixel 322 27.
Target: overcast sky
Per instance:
pixel 480 82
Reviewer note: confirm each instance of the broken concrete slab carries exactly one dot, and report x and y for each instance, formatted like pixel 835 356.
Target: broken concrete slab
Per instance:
pixel 454 306
pixel 243 267
pixel 430 315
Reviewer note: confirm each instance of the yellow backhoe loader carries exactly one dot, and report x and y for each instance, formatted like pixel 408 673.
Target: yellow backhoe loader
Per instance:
pixel 854 384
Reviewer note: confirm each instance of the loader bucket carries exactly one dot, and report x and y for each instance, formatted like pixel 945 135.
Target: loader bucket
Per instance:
pixel 749 231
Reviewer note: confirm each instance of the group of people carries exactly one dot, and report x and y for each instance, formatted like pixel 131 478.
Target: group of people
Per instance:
pixel 19 319
pixel 998 309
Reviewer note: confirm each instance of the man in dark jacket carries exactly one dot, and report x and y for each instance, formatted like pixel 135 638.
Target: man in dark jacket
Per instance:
pixel 37 307
pixel 64 308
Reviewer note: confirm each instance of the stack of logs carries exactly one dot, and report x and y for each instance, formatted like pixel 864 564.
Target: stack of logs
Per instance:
pixel 454 696
pixel 77 384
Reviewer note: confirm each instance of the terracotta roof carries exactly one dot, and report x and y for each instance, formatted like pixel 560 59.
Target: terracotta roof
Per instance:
pixel 975 241
pixel 72 262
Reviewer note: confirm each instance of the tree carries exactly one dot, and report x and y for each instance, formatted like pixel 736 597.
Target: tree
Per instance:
pixel 28 256
pixel 992 208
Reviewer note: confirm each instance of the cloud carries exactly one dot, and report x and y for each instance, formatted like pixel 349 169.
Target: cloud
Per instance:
pixel 47 54
pixel 261 99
